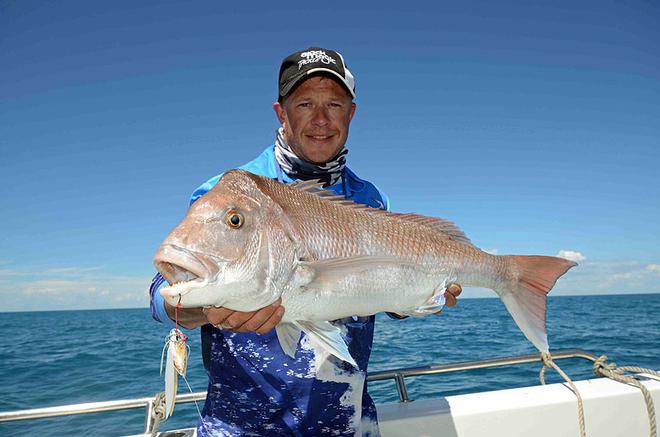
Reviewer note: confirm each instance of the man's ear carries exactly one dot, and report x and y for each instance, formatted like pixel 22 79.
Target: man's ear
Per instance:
pixel 352 113
pixel 279 111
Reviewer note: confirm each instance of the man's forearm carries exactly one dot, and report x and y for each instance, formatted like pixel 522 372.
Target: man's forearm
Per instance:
pixel 189 318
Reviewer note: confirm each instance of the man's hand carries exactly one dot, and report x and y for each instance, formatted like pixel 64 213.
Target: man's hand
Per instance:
pixel 451 294
pixel 189 318
pixel 260 321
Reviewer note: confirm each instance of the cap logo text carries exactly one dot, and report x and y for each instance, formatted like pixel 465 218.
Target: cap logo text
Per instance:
pixel 315 56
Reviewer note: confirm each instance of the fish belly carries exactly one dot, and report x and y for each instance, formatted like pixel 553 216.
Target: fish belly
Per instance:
pixel 400 289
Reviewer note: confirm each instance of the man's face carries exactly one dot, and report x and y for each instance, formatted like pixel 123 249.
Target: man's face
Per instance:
pixel 315 118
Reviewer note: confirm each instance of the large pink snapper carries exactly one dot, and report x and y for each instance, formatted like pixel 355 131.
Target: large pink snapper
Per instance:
pixel 251 240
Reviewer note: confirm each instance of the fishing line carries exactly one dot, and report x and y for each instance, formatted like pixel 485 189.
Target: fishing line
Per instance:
pixel 184 338
pixel 176 313
pixel 199 413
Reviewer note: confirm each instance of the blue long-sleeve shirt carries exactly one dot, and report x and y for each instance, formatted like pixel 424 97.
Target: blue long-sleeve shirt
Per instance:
pixel 256 389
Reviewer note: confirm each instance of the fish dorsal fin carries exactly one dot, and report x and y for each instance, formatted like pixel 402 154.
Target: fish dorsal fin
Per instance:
pixel 443 226
pixel 437 224
pixel 311 186
pixel 316 188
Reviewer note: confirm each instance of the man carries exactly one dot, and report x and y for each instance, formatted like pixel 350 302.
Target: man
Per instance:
pixel 254 388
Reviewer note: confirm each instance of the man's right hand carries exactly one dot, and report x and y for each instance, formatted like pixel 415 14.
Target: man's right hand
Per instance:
pixel 260 321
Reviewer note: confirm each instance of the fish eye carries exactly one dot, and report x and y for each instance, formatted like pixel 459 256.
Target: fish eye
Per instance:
pixel 234 219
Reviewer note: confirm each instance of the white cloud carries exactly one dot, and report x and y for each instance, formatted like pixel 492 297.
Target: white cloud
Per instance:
pixel 612 277
pixel 571 255
pixel 653 268
pixel 72 271
pixel 491 251
pixel 71 288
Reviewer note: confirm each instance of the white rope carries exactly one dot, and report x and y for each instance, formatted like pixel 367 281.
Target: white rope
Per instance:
pixel 547 362
pixel 158 412
pixel 610 370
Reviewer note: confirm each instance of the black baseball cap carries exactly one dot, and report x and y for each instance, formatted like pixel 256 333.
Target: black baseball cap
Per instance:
pixel 314 60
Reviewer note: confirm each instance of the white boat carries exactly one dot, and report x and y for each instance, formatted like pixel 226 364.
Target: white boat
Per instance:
pixel 611 408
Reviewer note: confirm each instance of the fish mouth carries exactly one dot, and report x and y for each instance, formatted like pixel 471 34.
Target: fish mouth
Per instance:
pixel 183 269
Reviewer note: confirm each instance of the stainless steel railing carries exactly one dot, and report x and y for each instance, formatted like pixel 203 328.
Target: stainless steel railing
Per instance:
pixel 398 375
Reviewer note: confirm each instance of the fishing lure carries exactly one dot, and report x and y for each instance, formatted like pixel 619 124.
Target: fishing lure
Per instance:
pixel 176 363
pixel 175 366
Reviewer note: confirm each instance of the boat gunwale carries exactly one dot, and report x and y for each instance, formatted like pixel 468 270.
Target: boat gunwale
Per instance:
pixel 398 375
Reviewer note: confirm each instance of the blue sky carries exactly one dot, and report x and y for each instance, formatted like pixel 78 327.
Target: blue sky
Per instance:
pixel 533 126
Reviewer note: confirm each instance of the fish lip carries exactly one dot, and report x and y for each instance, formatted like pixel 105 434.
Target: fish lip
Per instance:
pixel 178 264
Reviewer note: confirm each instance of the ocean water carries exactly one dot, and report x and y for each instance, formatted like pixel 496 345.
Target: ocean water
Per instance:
pixel 67 357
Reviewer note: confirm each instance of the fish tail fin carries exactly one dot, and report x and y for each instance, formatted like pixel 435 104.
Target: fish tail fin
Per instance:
pixel 526 296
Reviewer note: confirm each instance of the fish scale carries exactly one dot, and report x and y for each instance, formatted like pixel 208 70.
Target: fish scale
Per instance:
pixel 328 259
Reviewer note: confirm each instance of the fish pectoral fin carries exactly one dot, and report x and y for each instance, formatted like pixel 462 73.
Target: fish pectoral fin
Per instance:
pixel 432 305
pixel 288 334
pixel 328 337
pixel 327 272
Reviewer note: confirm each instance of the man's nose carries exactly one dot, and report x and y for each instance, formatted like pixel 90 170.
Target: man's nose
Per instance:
pixel 320 117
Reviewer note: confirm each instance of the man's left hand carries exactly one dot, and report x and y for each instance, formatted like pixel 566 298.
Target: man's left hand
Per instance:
pixel 451 294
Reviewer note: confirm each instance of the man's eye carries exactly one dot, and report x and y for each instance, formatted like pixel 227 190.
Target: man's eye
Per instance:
pixel 304 105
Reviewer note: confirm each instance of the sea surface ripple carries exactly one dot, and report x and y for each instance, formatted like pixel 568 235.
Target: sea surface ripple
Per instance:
pixel 67 357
